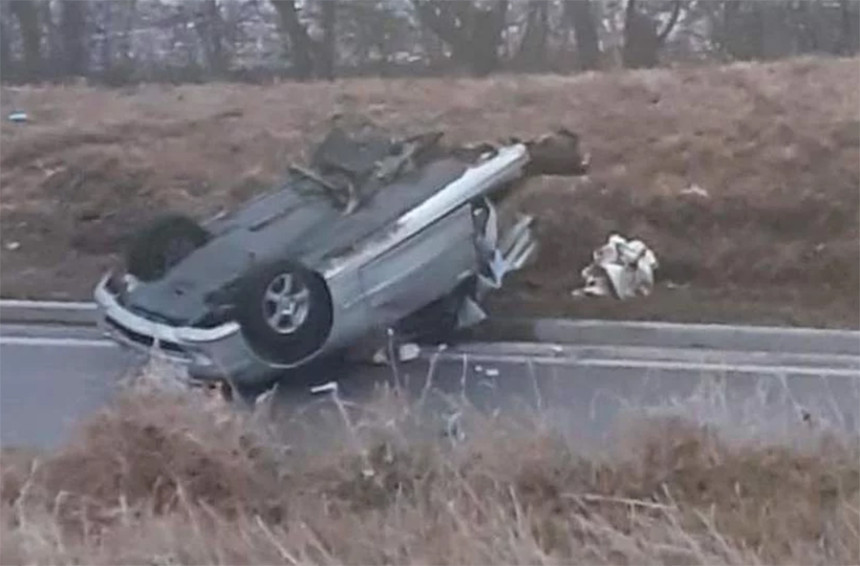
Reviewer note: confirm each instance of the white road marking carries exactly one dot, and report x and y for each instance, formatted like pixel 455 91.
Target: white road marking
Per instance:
pixel 631 363
pixel 56 342
pixel 717 367
pixel 625 363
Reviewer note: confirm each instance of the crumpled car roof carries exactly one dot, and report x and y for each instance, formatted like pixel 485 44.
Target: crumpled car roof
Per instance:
pixel 351 165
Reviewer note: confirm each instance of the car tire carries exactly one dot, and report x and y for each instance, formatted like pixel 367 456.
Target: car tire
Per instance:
pixel 274 335
pixel 162 244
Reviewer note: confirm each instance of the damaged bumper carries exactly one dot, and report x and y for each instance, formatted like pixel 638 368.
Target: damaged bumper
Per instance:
pixel 206 353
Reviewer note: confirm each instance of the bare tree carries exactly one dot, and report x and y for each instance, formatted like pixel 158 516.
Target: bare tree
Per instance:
pixel 532 52
pixel 6 58
pixel 210 27
pixel 580 15
pixel 327 47
pixel 642 41
pixel 472 32
pixel 849 37
pixel 27 14
pixel 73 30
pixel 298 41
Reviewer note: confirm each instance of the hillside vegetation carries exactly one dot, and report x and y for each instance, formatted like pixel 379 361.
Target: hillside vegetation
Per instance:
pixel 769 234
pixel 160 478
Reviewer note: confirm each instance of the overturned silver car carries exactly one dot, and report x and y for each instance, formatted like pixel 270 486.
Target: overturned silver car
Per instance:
pixel 375 234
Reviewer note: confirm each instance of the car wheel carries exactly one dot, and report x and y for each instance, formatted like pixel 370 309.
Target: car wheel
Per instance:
pixel 163 244
pixel 285 312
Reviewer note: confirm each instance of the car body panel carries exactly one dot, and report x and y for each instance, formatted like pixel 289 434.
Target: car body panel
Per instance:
pixel 418 270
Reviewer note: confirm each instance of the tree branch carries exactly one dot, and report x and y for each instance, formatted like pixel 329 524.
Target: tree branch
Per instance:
pixel 670 25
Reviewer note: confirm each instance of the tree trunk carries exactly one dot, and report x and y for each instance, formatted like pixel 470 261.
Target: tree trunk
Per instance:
pixel 218 57
pixel 129 17
pixel 105 26
pixel 6 60
pixel 849 38
pixel 328 46
pixel 26 11
pixel 300 44
pixel 775 36
pixel 642 41
pixel 487 34
pixel 579 14
pixel 210 30
pixel 73 30
pixel 532 51
pixel 472 33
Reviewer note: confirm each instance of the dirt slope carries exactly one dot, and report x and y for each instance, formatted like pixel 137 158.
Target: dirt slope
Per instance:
pixel 776 147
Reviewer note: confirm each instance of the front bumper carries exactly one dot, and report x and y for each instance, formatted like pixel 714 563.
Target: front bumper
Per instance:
pixel 207 354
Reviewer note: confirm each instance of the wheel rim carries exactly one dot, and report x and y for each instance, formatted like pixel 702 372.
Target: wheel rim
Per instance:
pixel 285 304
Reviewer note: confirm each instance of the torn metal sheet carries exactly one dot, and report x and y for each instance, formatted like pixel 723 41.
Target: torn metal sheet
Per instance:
pixel 502 255
pixel 620 268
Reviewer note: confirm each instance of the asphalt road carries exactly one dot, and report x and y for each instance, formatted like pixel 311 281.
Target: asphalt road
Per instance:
pixel 51 377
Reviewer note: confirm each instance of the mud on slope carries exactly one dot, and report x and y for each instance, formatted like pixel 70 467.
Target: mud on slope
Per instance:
pixel 776 147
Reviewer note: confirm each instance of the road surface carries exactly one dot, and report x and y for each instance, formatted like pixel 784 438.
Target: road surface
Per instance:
pixel 52 376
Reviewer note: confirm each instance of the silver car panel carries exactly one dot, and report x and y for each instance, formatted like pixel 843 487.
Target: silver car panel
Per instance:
pixel 421 269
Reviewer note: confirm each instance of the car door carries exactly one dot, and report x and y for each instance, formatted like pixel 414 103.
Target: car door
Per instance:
pixel 421 268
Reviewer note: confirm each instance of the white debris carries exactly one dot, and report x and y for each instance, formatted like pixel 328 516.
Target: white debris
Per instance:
pixel 12 246
pixel 405 353
pixel 470 313
pixel 379 357
pixel 409 352
pixel 329 387
pixel 264 397
pixel 491 372
pixel 479 368
pixel 18 117
pixel 696 190
pixel 622 268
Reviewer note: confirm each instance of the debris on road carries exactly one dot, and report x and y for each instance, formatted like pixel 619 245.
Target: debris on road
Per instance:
pixel 265 397
pixel 621 268
pixel 409 352
pixel 491 372
pixel 12 246
pixel 18 117
pixel 405 353
pixel 328 387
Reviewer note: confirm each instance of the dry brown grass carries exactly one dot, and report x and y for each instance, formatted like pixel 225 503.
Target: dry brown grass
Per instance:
pixel 165 479
pixel 777 147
